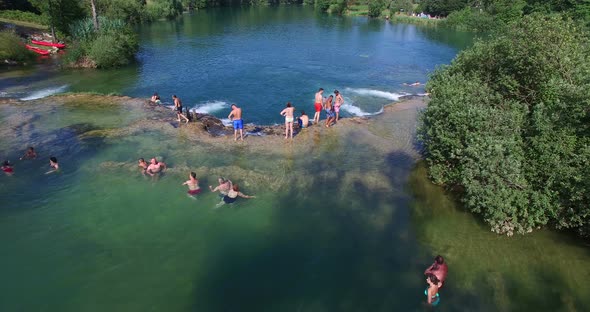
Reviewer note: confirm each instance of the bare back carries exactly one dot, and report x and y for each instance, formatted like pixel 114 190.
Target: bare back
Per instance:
pixel 235 114
pixel 318 97
pixel 288 112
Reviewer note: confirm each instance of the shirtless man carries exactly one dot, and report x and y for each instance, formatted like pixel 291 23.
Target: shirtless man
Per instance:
pixel 288 114
pixel 193 184
pixel 339 102
pixel 439 268
pixel 30 154
pixel 223 187
pixel 236 117
pixel 303 120
pixel 178 108
pixel 318 105
pixel 155 167
pixel 7 168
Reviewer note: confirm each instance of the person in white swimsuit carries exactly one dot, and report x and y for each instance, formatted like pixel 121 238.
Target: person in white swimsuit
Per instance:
pixel 288 114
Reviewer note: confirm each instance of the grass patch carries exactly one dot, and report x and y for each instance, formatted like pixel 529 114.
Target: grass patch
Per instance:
pixel 357 10
pixel 23 23
pixel 400 18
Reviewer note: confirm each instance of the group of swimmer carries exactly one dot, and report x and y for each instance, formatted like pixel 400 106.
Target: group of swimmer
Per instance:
pixel 436 274
pixel 229 192
pixel 8 168
pixel 331 105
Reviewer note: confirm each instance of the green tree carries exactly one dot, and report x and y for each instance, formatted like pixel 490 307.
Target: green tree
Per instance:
pixel 508 126
pixel 59 13
pixel 406 6
pixel 376 7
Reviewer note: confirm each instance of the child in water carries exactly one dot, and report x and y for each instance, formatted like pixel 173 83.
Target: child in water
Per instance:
pixel 53 164
pixel 30 154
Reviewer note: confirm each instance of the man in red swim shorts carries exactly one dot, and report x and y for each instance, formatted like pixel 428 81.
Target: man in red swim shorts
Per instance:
pixel 318 105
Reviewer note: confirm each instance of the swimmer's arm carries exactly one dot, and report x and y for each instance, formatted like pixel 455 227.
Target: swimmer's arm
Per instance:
pixel 283 112
pixel 213 189
pixel 230 115
pixel 245 196
pixel 51 171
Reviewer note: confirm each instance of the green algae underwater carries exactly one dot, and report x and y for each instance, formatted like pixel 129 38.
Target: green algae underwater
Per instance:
pixel 344 219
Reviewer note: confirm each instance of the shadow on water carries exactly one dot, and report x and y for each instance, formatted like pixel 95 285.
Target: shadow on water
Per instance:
pixel 346 248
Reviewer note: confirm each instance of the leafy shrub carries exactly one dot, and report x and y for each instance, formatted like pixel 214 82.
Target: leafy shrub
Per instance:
pixel 338 7
pixel 163 9
pixel 508 125
pixel 112 50
pixel 13 49
pixel 24 16
pixel 471 20
pixel 375 8
pixel 322 5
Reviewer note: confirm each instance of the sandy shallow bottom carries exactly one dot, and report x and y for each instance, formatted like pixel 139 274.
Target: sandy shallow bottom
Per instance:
pixel 344 219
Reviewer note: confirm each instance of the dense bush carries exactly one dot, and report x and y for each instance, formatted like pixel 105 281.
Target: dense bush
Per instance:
pixel 24 16
pixel 375 8
pixel 13 49
pixel 508 125
pixel 113 45
pixel 471 20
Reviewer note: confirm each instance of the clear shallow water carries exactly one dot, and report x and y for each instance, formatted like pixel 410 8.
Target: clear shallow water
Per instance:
pixel 340 223
pixel 260 58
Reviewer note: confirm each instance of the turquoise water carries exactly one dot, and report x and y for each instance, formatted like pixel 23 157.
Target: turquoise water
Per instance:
pixel 262 57
pixel 344 218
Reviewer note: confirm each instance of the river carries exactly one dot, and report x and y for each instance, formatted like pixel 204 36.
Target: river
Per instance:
pixel 344 218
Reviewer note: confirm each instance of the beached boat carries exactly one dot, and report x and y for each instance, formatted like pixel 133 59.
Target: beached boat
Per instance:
pixel 48 44
pixel 37 50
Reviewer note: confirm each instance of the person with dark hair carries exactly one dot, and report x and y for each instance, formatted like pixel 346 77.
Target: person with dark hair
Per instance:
pixel 337 103
pixel 329 108
pixel 224 186
pixel 233 195
pixel 439 268
pixel 303 120
pixel 53 164
pixel 29 154
pixel 193 184
pixel 7 168
pixel 236 117
pixel 431 292
pixel 143 165
pixel 288 114
pixel 319 99
pixel 178 108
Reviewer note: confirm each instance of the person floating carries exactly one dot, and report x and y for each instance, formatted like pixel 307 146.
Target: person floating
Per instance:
pixel 431 292
pixel 178 108
pixel 224 186
pixel 338 102
pixel 156 99
pixel 193 184
pixel 439 268
pixel 7 168
pixel 288 114
pixel 330 116
pixel 29 154
pixel 415 84
pixel 318 105
pixel 233 195
pixel 53 165
pixel 236 117
pixel 303 120
pixel 155 167
pixel 143 165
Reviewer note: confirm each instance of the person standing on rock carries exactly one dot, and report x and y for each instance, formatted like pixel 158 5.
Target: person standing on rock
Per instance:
pixel 318 105
pixel 236 117
pixel 288 114
pixel 178 108
pixel 337 103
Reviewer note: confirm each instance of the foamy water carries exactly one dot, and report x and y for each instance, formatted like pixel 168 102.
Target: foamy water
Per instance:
pixel 45 93
pixel 210 107
pixel 377 93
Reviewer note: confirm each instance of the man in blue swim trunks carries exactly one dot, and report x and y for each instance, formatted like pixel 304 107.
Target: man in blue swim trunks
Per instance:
pixel 236 117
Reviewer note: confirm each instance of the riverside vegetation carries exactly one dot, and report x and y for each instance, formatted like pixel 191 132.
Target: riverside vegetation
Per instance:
pixel 508 126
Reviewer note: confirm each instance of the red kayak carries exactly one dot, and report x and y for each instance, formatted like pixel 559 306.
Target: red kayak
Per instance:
pixel 49 44
pixel 37 50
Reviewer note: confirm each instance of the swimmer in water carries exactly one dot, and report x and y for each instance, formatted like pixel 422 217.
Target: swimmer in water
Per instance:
pixel 288 114
pixel 415 84
pixel 431 292
pixel 7 168
pixel 53 164
pixel 223 187
pixel 439 268
pixel 233 195
pixel 29 154
pixel 155 99
pixel 155 167
pixel 193 184
pixel 143 165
